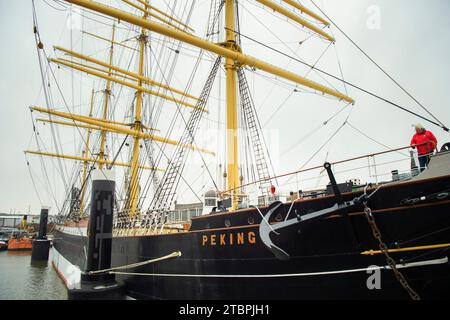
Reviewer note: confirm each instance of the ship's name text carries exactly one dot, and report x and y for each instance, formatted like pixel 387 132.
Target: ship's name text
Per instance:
pixel 229 239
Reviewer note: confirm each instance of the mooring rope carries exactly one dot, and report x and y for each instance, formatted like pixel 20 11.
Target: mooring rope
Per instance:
pixel 289 275
pixel 138 264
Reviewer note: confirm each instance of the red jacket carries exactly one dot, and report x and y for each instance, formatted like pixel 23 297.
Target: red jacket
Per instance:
pixel 423 137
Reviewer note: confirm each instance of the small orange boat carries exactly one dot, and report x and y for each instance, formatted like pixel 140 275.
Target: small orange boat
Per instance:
pixel 20 244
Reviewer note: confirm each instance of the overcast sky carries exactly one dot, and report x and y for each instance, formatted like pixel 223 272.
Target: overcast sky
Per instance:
pixel 409 38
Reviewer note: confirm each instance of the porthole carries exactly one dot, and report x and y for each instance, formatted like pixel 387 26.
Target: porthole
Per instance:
pixel 279 217
pixel 227 223
pixel 250 220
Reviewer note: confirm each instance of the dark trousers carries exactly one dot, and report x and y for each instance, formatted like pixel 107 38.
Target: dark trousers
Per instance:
pixel 424 159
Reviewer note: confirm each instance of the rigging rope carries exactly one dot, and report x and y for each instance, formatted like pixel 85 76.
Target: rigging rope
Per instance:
pixel 379 67
pixel 181 115
pixel 339 64
pixel 368 137
pixel 306 136
pixel 40 46
pixel 288 21
pixel 167 80
pixel 295 52
pixel 346 82
pixel 32 179
pixel 324 144
pixel 172 62
pixel 270 118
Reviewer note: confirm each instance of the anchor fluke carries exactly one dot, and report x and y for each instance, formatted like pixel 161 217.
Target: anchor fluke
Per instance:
pixel 265 229
pixel 341 206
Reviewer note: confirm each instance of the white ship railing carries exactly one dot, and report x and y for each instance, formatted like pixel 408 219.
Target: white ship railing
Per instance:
pixel 372 169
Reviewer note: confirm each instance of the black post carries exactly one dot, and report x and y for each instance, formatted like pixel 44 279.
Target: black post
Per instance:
pixel 99 285
pixel 43 224
pixel 100 225
pixel 41 245
pixel 334 185
pixel 350 226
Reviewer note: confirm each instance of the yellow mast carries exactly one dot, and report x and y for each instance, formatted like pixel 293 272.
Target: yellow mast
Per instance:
pixel 107 96
pixel 238 57
pixel 105 39
pixel 120 70
pixel 85 159
pixel 90 70
pixel 148 13
pixel 134 181
pixel 276 7
pixel 71 124
pixel 232 121
pixel 234 58
pixel 305 10
pixel 148 6
pixel 115 128
pixel 85 163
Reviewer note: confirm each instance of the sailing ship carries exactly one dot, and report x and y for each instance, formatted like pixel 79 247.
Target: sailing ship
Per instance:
pixel 246 241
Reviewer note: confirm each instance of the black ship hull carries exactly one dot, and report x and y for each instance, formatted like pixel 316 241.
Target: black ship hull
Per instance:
pixel 223 256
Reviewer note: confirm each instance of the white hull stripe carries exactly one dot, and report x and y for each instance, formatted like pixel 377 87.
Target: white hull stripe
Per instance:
pixel 74 231
pixel 70 273
pixel 62 264
pixel 284 275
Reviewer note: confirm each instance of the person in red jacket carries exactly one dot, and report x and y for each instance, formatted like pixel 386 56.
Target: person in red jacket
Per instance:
pixel 426 143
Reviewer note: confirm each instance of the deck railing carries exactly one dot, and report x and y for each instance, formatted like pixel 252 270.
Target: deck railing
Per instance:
pixel 373 169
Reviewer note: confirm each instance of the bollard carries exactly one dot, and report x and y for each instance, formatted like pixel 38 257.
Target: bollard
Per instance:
pixel 41 245
pixel 102 285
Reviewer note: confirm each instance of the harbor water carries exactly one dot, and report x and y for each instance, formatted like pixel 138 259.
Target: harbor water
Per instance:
pixel 20 280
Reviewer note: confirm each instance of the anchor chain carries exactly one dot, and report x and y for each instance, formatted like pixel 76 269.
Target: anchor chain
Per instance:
pixel 383 247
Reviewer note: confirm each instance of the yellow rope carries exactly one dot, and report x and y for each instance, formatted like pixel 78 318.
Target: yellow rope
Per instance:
pixel 433 246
